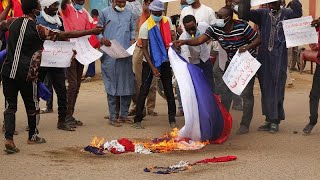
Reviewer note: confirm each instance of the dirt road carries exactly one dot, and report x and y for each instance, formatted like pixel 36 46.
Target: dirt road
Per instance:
pixel 260 155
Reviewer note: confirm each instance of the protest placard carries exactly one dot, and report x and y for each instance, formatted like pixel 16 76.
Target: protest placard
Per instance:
pixel 240 71
pixel 116 51
pixel 57 54
pixel 299 32
pixel 86 54
pixel 259 2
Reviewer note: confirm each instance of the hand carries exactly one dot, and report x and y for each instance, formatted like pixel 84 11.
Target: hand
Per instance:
pixel 315 23
pixel 105 42
pixel 155 72
pixel 179 43
pixel 97 30
pixel 243 49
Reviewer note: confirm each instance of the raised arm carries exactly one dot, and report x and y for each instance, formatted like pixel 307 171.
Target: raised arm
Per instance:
pixel 5 12
pixel 295 10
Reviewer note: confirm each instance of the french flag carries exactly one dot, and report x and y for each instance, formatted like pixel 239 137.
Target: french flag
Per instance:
pixel 205 117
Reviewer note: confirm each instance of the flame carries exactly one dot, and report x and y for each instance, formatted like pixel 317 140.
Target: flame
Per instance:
pixel 97 142
pixel 169 142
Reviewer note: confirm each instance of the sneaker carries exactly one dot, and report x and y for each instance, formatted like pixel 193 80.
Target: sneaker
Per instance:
pixel 173 125
pixel 265 127
pixel 37 140
pixel 307 130
pixel 274 128
pixel 64 126
pixel 137 125
pixel 243 130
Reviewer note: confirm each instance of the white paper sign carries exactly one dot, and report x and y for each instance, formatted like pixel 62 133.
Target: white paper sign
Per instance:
pixel 57 54
pixel 86 54
pixel 116 51
pixel 299 32
pixel 130 50
pixel 258 2
pixel 240 71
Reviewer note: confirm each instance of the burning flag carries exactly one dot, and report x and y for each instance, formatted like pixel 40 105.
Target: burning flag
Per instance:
pixel 205 117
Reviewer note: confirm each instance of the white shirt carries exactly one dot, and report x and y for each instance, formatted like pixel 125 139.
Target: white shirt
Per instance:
pixel 202 14
pixel 193 54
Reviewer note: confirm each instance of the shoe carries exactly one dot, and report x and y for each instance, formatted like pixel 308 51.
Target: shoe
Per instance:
pixel 173 125
pixel 115 123
pixel 125 120
pixel 137 125
pixel 11 147
pixel 243 130
pixel 73 122
pixel 307 130
pixel 265 127
pixel 46 110
pixel 180 113
pixel 237 107
pixel 37 140
pixel 64 126
pixel 87 79
pixel 274 128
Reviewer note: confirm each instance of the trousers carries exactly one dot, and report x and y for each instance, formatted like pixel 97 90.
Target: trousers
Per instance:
pixel 314 97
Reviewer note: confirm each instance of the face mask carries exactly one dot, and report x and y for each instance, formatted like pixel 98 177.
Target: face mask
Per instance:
pixel 182 6
pixel 119 8
pixel 236 8
pixel 190 2
pixel 221 23
pixel 77 6
pixel 156 18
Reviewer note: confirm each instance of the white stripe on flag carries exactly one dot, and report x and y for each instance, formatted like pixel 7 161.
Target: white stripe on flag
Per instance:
pixel 191 128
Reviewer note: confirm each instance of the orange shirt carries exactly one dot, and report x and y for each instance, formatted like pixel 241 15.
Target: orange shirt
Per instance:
pixel 142 19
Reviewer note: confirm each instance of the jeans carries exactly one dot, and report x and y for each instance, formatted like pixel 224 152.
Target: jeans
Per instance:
pixel 314 97
pixel 74 75
pixel 113 102
pixel 28 91
pixel 248 101
pixel 166 79
pixel 55 77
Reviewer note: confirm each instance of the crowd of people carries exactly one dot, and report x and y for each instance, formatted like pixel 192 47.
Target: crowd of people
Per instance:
pixel 197 33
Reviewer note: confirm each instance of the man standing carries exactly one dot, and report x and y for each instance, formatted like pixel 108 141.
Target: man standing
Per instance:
pixel 56 76
pixel 315 90
pixel 117 74
pixel 273 56
pixel 201 12
pixel 137 60
pixel 156 34
pixel 75 17
pixel 233 35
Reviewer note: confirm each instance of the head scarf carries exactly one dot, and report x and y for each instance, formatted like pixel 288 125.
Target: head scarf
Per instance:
pixel 47 3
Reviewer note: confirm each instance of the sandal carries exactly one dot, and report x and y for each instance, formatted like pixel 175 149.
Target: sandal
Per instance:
pixel 38 140
pixel 11 149
pixel 125 120
pixel 152 113
pixel 137 125
pixel 46 110
pixel 115 123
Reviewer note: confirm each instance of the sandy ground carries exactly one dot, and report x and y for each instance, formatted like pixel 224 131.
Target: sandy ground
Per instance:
pixel 260 155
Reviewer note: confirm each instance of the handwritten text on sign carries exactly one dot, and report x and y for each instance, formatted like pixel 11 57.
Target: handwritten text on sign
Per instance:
pixel 86 54
pixel 240 71
pixel 259 2
pixel 299 32
pixel 57 54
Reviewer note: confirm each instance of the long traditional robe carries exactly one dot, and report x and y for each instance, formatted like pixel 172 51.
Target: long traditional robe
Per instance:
pixel 117 74
pixel 273 57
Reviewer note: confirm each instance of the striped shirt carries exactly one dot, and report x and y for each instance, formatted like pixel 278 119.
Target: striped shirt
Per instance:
pixel 241 35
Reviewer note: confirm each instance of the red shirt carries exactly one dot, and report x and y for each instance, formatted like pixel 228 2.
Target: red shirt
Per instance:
pixel 75 20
